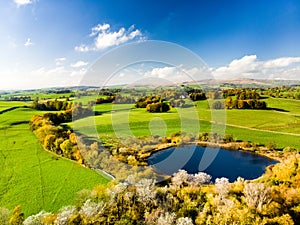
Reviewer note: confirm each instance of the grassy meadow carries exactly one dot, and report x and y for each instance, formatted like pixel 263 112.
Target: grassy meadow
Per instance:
pixel 32 177
pixel 37 179
pixel 280 125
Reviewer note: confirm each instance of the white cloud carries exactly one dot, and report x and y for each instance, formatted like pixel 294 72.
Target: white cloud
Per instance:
pixel 177 74
pixel 82 48
pixel 105 37
pixel 76 73
pixel 79 64
pixel 98 28
pixel 60 61
pixel 28 42
pixel 23 2
pixel 281 62
pixel 162 72
pixel 249 67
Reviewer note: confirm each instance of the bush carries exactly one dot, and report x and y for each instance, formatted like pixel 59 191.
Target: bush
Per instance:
pixel 158 107
pixel 271 146
pixel 290 149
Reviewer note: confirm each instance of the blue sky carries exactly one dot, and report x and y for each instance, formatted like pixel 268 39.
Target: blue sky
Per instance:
pixel 53 42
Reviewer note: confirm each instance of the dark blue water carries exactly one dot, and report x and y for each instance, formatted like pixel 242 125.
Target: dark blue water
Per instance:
pixel 216 162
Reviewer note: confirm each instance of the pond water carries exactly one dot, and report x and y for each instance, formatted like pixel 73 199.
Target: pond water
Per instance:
pixel 216 162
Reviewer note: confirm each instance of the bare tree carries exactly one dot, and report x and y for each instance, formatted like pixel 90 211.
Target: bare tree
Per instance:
pixel 65 214
pixel 257 195
pixel 146 192
pixel 166 219
pixel 90 209
pixel 184 221
pixel 180 178
pixel 199 178
pixel 222 187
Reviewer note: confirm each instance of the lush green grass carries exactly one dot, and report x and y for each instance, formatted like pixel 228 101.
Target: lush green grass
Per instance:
pixel 37 180
pixel 141 123
pixel 261 137
pixel 35 94
pixel 6 105
pixel 265 120
pixel 292 106
pixel 32 177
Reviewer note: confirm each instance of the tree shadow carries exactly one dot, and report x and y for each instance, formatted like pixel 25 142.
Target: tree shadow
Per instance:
pixel 19 122
pixel 278 109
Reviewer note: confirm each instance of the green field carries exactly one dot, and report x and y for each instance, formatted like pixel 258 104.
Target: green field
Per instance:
pixel 32 177
pixel 38 180
pixel 260 126
pixel 6 105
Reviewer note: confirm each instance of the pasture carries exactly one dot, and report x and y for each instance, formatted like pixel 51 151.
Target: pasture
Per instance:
pixel 37 179
pixel 280 125
pixel 32 177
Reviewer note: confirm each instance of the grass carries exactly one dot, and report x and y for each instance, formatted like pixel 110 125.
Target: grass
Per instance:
pixel 126 120
pixel 34 94
pixel 264 120
pixel 6 105
pixel 140 122
pixel 38 180
pixel 32 177
pixel 292 106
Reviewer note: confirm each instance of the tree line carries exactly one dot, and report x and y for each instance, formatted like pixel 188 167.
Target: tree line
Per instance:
pixel 52 105
pixel 240 99
pixel 55 138
pixel 18 98
pixel 153 104
pixel 292 92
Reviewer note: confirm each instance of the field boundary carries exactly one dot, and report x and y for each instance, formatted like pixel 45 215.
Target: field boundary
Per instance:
pixel 9 109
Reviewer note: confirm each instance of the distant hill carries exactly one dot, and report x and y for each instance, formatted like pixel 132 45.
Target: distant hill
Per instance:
pixel 231 82
pixel 246 82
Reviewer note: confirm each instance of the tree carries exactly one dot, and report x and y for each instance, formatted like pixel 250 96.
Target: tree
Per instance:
pixel 271 146
pixel 17 216
pixel 65 215
pixel 184 221
pixel 222 187
pixel 90 209
pixel 4 216
pixel 158 107
pixel 66 148
pixel 49 142
pixel 36 219
pixel 200 178
pixel 218 105
pixel 146 192
pixel 180 178
pixel 166 219
pixel 257 195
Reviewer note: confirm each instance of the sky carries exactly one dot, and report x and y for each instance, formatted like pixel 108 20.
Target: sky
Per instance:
pixel 52 43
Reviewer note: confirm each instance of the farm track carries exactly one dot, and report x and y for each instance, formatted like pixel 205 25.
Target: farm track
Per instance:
pixel 41 178
pixel 61 187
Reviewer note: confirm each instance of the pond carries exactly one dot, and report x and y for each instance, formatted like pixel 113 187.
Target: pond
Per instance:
pixel 216 162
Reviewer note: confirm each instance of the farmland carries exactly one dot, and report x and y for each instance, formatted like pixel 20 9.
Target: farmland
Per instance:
pixel 40 180
pixel 32 177
pixel 260 126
